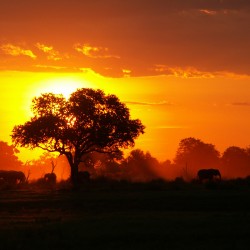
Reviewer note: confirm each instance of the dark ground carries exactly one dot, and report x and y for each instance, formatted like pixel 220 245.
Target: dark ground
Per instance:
pixel 125 218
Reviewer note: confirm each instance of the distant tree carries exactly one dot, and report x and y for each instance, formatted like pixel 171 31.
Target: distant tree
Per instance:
pixel 236 162
pixel 168 170
pixel 8 158
pixel 140 166
pixel 193 154
pixel 89 121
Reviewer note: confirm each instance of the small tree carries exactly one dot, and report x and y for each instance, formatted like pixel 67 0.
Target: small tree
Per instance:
pixel 8 158
pixel 89 121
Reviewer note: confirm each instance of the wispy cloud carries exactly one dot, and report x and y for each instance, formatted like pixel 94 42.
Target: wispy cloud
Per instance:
pixel 55 68
pixel 171 127
pixel 14 50
pixel 164 103
pixel 49 50
pixel 240 103
pixel 94 52
pixel 126 72
pixel 188 72
pixel 208 12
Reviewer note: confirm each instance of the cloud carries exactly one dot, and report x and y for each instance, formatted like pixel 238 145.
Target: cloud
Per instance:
pixel 241 104
pixel 126 72
pixel 14 50
pixel 94 52
pixel 54 68
pixel 207 35
pixel 171 127
pixel 208 12
pixel 49 50
pixel 188 72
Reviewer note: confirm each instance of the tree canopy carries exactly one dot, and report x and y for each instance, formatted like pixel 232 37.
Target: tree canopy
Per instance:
pixel 236 161
pixel 89 121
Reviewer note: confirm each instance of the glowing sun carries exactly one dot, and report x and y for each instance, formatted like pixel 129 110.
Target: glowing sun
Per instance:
pixel 63 85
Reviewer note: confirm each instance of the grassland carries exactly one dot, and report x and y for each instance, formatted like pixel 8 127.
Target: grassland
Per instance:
pixel 128 216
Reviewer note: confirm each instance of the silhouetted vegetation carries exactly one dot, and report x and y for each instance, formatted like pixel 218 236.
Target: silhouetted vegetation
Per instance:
pixel 193 154
pixel 8 158
pixel 89 121
pixel 125 197
pixel 37 168
pixel 90 129
pixel 236 161
pixel 138 166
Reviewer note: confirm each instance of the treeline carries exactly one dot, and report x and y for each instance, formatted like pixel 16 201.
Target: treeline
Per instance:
pixel 194 154
pixel 138 166
pixel 191 156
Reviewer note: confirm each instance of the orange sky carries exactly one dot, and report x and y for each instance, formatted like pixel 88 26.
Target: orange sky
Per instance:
pixel 182 67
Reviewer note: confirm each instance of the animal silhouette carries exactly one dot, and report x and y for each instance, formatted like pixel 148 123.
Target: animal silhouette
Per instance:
pixel 208 174
pixel 50 178
pixel 12 177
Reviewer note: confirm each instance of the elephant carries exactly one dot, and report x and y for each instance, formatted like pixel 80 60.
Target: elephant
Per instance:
pixel 208 174
pixel 50 178
pixel 12 177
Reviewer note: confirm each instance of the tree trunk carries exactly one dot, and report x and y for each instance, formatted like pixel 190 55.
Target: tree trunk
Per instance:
pixel 74 175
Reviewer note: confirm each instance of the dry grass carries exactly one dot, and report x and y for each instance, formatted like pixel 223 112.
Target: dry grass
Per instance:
pixel 156 215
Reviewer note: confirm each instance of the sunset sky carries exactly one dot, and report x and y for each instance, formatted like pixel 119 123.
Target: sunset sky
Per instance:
pixel 182 67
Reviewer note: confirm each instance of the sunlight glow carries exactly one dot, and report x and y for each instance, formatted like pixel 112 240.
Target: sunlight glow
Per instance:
pixel 61 85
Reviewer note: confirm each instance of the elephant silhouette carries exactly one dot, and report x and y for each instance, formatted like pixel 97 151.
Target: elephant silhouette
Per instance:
pixel 12 177
pixel 50 178
pixel 208 174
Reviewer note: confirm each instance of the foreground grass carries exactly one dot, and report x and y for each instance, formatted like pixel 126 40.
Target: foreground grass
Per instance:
pixel 125 219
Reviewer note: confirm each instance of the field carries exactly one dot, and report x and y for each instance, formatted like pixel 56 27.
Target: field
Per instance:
pixel 137 217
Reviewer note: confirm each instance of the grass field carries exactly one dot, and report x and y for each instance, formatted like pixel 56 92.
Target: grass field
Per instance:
pixel 125 218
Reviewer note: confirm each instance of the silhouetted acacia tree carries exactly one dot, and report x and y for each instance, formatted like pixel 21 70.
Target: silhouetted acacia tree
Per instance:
pixel 88 121
pixel 8 159
pixel 193 154
pixel 236 161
